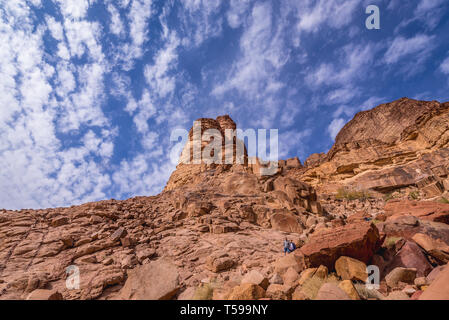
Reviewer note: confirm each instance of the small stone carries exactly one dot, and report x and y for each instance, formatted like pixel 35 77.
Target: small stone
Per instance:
pixel 399 274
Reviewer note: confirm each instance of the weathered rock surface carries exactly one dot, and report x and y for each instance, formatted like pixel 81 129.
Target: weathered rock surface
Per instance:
pixel 348 288
pixel 44 294
pixel 439 289
pixel 330 291
pixel 392 146
pixel 351 269
pixel 216 231
pixel 411 256
pixel 358 241
pixel 425 210
pixel 247 291
pixel 399 274
pixel 158 280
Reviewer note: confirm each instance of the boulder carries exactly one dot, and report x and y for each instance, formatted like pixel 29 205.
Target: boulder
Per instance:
pixel 348 287
pixel 247 291
pixel 426 210
pixel 276 279
pixel 421 282
pixel 255 277
pixel 279 292
pixel 351 269
pixel 395 228
pixel 366 293
pixel 44 294
pixel 298 295
pixel 291 277
pixel 157 280
pixel 439 289
pixel 416 295
pixel 397 295
pixel 294 260
pixel 309 289
pixel 321 272
pixel 219 262
pixel 306 274
pixel 359 241
pixel 330 291
pixel 411 256
pixel 434 274
pixel 434 247
pixel 399 274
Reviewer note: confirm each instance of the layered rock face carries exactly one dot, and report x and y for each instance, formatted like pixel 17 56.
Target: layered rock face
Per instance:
pixel 199 154
pixel 237 190
pixel 393 146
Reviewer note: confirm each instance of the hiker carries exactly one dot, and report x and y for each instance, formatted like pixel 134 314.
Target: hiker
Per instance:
pixel 286 246
pixel 292 246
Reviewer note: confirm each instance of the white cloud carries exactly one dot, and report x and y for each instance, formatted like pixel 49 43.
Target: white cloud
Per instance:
pixel 36 170
pixel 420 45
pixel 157 74
pixel 237 12
pixel 200 21
pixel 334 13
pixel 116 26
pixel 255 74
pixel 138 16
pixel 357 58
pixel 293 141
pixel 55 28
pixel 335 126
pixel 444 67
pixel 426 5
pixel 74 9
pixel 141 176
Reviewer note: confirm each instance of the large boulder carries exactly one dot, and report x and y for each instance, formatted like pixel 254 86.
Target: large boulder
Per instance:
pixel 291 277
pixel 255 277
pixel 351 269
pixel 411 256
pixel 359 241
pixel 157 280
pixel 279 292
pixel 293 260
pixel 330 291
pixel 434 247
pixel 406 275
pixel 348 287
pixel 44 294
pixel 439 289
pixel 426 210
pixel 247 291
pixel 434 274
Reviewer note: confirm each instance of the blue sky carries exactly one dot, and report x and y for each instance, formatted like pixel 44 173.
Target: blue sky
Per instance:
pixel 90 90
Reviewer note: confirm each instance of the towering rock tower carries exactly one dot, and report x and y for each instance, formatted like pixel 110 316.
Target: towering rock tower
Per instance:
pixel 212 144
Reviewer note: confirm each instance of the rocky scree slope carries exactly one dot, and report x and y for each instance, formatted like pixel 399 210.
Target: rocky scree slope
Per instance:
pixel 216 231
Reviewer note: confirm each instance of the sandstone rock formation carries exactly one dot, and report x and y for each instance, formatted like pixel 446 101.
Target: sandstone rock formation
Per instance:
pixel 393 146
pixel 216 231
